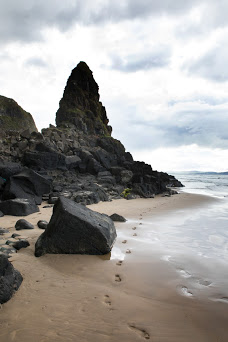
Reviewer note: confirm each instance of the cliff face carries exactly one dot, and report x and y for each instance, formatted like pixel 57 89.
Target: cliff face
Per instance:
pixel 79 155
pixel 13 117
pixel 80 103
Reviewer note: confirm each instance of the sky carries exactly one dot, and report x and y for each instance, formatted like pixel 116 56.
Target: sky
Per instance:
pixel 161 67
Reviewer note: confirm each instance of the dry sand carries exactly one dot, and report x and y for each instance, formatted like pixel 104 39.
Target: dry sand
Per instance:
pixel 131 295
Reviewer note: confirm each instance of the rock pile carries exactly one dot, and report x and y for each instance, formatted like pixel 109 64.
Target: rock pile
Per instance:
pixel 79 156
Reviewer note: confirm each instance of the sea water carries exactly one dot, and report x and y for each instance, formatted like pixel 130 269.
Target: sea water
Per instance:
pixel 195 240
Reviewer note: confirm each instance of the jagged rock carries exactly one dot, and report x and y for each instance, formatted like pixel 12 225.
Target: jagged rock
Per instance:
pixel 18 207
pixel 75 229
pixel 10 279
pixel 42 224
pixel 13 117
pixel 20 244
pixel 117 218
pixel 8 169
pixel 27 184
pixel 23 224
pixel 80 103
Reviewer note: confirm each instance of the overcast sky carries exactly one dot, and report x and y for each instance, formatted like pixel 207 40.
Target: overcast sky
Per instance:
pixel 161 66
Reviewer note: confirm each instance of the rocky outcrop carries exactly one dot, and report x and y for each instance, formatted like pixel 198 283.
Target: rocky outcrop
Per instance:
pixel 10 279
pixel 14 118
pixel 75 229
pixel 80 104
pixel 79 156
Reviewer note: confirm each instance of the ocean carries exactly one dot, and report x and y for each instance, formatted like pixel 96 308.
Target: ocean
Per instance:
pixel 195 240
pixel 215 185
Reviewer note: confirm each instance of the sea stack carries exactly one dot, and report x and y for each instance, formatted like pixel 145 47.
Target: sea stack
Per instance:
pixel 80 103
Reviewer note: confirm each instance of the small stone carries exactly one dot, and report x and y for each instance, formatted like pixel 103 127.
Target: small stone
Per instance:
pixel 23 224
pixel 15 235
pixel 117 218
pixel 21 244
pixel 42 224
pixel 3 231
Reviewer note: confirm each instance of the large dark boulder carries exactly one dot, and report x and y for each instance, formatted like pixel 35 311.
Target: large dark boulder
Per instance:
pixel 75 229
pixel 10 279
pixel 18 207
pixel 27 184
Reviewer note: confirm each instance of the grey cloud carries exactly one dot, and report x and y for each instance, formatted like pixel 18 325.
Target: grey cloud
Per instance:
pixel 212 65
pixel 133 63
pixel 36 61
pixel 25 20
pixel 203 125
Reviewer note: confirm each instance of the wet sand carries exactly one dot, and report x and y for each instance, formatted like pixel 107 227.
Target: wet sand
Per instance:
pixel 136 293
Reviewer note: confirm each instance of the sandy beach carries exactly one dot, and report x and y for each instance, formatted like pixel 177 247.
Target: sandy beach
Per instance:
pixel 138 292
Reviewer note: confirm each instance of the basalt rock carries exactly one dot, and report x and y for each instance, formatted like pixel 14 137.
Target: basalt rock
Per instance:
pixel 10 279
pixel 75 229
pixel 18 207
pixel 27 184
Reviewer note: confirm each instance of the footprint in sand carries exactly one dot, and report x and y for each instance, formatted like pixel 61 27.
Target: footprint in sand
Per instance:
pixel 124 241
pixel 204 282
pixel 117 278
pixel 140 224
pixel 141 332
pixel 134 234
pixel 134 228
pixel 128 251
pixel 119 263
pixel 183 290
pixel 222 300
pixel 107 300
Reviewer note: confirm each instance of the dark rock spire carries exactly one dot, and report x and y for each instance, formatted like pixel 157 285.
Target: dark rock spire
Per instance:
pixel 80 103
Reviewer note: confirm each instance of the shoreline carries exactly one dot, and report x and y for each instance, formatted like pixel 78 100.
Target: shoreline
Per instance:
pixel 118 297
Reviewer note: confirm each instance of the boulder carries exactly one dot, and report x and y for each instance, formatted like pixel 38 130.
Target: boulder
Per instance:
pixel 75 229
pixel 23 224
pixel 42 224
pixel 1 214
pixel 10 279
pixel 117 218
pixel 18 207
pixel 27 184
